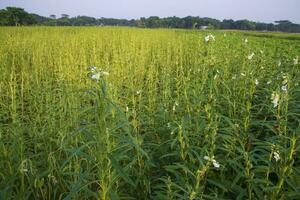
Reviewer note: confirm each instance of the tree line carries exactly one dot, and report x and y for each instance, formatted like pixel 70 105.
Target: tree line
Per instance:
pixel 12 16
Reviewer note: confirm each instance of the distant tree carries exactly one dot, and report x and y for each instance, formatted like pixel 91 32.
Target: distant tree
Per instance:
pixel 133 22
pixel 83 21
pixel 40 20
pixel 12 16
pixel 3 17
pixel 244 25
pixel 52 16
pixel 142 22
pixel 190 22
pixel 287 26
pixel 271 27
pixel 63 22
pixel 261 26
pixel 64 16
pixel 213 23
pixel 175 22
pixel 227 24
pixel 153 22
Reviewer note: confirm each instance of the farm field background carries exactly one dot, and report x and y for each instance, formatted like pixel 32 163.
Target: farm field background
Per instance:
pixel 126 113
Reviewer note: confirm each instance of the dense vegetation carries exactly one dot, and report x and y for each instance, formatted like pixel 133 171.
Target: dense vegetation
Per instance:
pixel 12 16
pixel 119 113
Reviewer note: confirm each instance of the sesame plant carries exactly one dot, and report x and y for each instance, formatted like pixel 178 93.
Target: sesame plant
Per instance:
pixel 124 113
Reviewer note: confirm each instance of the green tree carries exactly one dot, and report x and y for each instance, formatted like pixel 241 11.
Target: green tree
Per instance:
pixel 287 26
pixel 153 22
pixel 52 16
pixel 3 17
pixel 12 16
pixel 227 24
pixel 64 16
pixel 245 25
pixel 83 21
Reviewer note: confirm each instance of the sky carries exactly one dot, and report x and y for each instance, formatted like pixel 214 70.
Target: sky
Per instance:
pixel 255 10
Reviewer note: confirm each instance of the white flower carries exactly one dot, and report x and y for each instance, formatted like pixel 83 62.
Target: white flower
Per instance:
pixel 206 39
pixel 275 99
pixel 276 155
pixel 93 68
pixel 138 92
pixel 296 61
pixel 126 109
pixel 174 107
pixel 251 56
pixel 96 76
pixel 246 40
pixel 207 158
pixel 279 63
pixel 214 162
pixel 96 73
pixel 269 82
pixel 243 74
pixel 256 82
pixel 209 38
pixel 284 88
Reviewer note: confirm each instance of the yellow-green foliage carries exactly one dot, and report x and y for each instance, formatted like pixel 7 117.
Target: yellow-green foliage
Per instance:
pixel 171 116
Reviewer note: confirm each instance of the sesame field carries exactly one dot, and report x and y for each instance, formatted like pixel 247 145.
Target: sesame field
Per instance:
pixel 136 114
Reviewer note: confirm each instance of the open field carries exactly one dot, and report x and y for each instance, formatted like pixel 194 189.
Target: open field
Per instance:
pixel 126 113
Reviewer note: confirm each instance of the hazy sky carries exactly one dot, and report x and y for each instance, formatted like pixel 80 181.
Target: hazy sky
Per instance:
pixel 257 10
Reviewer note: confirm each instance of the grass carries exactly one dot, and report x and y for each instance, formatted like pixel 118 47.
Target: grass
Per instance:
pixel 143 131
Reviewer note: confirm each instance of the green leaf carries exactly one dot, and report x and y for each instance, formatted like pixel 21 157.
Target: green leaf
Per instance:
pixel 120 171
